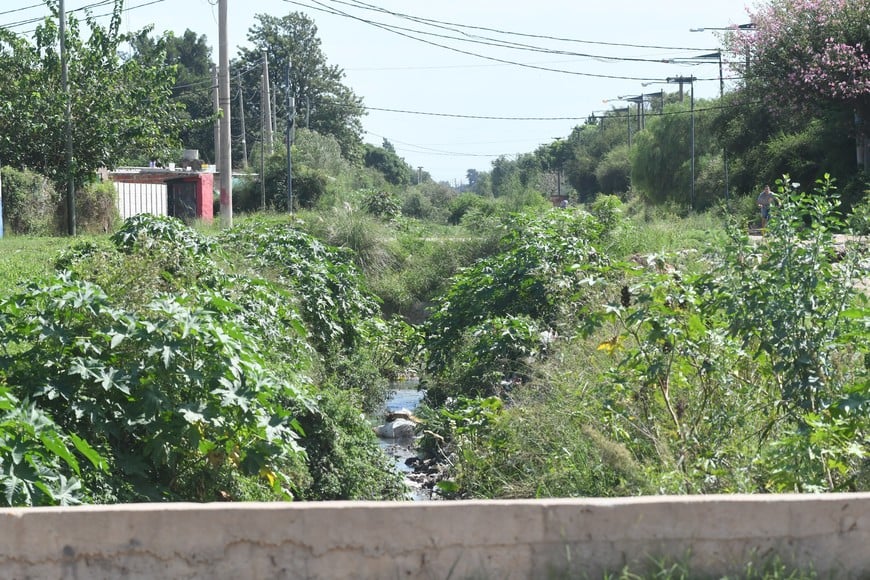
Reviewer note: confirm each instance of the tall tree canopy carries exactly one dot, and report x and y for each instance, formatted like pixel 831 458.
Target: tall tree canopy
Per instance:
pixel 808 52
pixel 118 107
pixel 331 107
pixel 808 61
pixel 190 55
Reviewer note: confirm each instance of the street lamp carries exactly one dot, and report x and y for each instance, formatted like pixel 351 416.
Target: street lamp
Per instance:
pixel 626 110
pixel 691 81
pixel 735 27
pixel 718 56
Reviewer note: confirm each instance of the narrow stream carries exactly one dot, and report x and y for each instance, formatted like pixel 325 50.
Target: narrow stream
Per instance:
pixel 404 395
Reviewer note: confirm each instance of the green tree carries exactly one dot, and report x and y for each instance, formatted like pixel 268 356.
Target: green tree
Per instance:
pixel 190 55
pixel 118 107
pixel 661 155
pixel 385 160
pixel 807 52
pixel 589 144
pixel 330 107
pixel 805 67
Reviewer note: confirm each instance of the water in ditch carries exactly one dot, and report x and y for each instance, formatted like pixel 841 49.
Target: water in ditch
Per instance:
pixel 404 395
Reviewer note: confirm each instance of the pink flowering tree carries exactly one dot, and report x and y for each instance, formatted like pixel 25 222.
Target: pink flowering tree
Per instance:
pixel 804 56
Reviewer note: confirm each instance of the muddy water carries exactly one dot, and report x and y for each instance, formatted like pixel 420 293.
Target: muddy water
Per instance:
pixel 404 395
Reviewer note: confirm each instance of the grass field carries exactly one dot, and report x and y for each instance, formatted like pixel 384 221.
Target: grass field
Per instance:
pixel 25 258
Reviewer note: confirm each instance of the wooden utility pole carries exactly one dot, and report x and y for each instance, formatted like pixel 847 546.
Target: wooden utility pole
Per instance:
pixel 242 121
pixel 64 82
pixel 215 100
pixel 226 196
pixel 266 105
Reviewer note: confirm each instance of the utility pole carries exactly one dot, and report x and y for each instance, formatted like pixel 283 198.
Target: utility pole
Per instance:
pixel 307 112
pixel 226 196
pixel 265 104
pixel 291 113
pixel 216 105
pixel 64 82
pixel 242 121
pixel 691 81
pixel 262 152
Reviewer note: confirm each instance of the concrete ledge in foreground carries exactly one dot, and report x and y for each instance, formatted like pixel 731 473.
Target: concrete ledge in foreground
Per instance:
pixel 578 538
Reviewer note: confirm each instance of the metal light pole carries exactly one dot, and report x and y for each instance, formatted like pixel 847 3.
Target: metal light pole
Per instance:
pixel 691 82
pixel 718 56
pixel 747 26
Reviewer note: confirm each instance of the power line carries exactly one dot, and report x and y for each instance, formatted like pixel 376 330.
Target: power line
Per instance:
pixel 530 118
pixel 466 52
pixel 430 151
pixel 104 2
pixel 489 41
pixel 461 116
pixel 40 5
pixel 40 18
pixel 498 31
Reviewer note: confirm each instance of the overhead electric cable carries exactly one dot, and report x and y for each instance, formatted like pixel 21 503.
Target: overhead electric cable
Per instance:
pixel 39 5
pixel 528 118
pixel 128 9
pixel 469 53
pixel 496 30
pixel 488 41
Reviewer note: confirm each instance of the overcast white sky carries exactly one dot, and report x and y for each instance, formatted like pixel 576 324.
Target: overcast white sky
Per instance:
pixel 390 71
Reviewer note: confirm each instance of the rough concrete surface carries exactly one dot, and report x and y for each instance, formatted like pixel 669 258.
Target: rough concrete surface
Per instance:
pixel 579 538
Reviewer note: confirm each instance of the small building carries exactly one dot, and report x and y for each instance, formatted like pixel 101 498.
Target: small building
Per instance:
pixel 187 194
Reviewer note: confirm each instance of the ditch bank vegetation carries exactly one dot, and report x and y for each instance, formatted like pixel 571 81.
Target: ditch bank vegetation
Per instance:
pixel 564 353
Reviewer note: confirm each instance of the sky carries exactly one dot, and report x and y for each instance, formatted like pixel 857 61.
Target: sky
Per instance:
pixel 460 105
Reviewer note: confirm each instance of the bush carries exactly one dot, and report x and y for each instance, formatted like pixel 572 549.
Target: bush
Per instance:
pixel 607 209
pixel 462 204
pixel 96 208
pixel 381 204
pixel 30 203
pixel 614 171
pixel 418 206
pixel 309 185
pixel 490 322
pixel 174 395
pixel 859 220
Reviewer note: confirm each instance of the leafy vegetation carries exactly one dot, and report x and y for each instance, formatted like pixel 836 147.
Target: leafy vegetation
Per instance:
pixel 737 376
pixel 120 106
pixel 637 341
pixel 178 380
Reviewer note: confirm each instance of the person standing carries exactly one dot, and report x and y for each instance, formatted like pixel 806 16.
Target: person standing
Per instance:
pixel 765 198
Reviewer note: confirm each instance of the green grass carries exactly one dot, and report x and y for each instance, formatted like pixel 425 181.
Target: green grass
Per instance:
pixel 24 258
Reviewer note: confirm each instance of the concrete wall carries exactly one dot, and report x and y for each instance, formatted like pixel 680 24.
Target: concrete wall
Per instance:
pixel 436 540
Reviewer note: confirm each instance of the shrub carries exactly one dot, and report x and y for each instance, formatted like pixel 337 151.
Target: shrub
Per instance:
pixel 859 220
pixel 309 185
pixel 614 171
pixel 174 395
pixel 30 203
pixel 486 325
pixel 381 204
pixel 96 208
pixel 607 209
pixel 464 203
